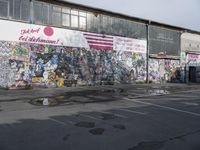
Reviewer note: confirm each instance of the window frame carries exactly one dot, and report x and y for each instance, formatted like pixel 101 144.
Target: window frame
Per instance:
pixel 12 14
pixel 82 16
pixel 55 11
pixel 8 9
pixel 66 13
pixel 49 13
pixel 74 15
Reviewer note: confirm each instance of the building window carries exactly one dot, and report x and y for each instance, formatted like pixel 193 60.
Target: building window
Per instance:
pixel 45 13
pixel 56 16
pixel 41 13
pixel 66 17
pixel 38 17
pixel 25 10
pixel 4 8
pixel 74 18
pixel 17 9
pixel 20 10
pixel 82 20
pixel 74 21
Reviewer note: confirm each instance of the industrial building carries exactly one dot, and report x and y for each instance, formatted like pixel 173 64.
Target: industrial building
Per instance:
pixel 52 43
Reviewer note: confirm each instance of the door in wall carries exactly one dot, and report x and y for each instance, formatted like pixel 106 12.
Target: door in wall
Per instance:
pixel 192 74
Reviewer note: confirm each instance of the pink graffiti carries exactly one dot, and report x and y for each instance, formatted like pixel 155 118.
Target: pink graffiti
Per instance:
pixel 192 56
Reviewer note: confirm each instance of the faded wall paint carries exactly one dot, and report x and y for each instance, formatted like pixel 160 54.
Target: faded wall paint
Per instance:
pixel 164 70
pixel 190 42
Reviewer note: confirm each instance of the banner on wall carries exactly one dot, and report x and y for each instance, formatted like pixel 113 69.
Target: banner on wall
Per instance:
pixel 22 32
pixel 128 44
pixel 30 33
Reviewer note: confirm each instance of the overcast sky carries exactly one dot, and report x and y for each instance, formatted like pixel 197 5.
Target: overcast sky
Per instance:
pixel 184 13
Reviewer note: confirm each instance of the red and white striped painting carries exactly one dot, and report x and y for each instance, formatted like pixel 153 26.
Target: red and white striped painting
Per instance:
pixel 99 41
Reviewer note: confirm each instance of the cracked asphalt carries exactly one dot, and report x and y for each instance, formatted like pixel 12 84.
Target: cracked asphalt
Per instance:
pixel 122 117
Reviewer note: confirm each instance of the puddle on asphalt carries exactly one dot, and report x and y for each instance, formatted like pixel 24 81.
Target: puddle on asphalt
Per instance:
pixel 119 126
pixel 91 96
pixel 85 124
pixel 97 131
pixel 88 96
pixel 44 102
pixel 148 146
pixel 157 91
pixel 108 116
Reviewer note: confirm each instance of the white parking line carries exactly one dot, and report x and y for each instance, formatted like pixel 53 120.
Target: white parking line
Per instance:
pixel 61 122
pixel 165 107
pixel 91 117
pixel 132 111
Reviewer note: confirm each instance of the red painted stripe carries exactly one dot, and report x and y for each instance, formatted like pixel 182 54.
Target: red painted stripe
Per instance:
pixel 98 35
pixel 99 39
pixel 91 42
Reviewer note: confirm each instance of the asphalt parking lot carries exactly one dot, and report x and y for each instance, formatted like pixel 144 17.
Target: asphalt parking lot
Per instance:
pixel 134 117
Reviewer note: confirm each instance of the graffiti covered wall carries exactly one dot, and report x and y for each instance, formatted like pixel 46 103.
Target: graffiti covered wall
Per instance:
pixel 55 66
pixel 51 57
pixel 164 70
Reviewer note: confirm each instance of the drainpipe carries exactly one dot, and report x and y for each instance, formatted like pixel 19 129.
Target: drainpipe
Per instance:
pixel 31 12
pixel 186 68
pixel 147 55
